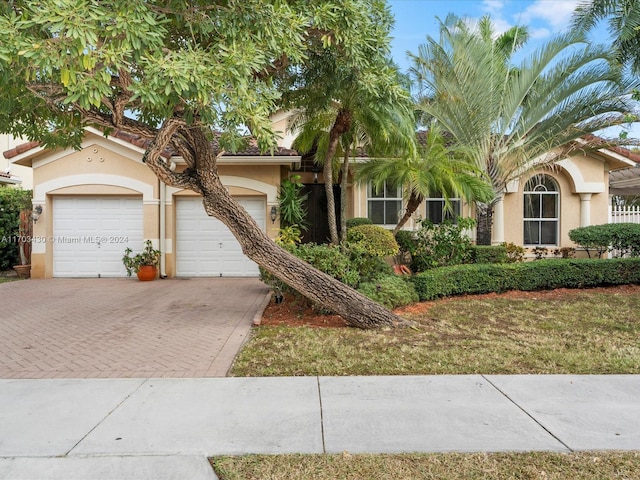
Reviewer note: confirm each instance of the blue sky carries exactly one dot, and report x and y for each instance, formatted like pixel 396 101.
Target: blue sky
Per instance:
pixel 415 19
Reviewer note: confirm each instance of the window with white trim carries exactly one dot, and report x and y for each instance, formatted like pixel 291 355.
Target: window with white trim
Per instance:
pixel 541 211
pixel 384 205
pixel 437 212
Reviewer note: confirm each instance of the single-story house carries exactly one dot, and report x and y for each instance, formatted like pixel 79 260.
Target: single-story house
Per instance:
pixel 101 199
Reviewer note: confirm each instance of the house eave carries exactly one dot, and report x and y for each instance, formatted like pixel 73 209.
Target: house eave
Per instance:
pixel 250 160
pixel 10 181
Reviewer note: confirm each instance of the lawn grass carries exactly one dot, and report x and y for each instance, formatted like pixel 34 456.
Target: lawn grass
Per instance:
pixel 451 466
pixel 574 332
pixel 9 279
pixel 578 332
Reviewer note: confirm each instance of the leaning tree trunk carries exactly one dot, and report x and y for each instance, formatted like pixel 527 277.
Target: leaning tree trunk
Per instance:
pixel 413 203
pixel 484 219
pixel 202 177
pixel 356 309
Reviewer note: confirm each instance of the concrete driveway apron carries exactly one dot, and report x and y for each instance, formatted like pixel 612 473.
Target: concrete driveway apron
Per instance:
pixel 124 328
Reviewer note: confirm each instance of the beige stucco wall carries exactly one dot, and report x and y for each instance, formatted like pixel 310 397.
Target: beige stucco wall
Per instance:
pixel 580 176
pixel 586 175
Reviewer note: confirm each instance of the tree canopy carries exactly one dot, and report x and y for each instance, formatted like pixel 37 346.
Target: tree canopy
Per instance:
pixel 623 19
pixel 514 118
pixel 178 72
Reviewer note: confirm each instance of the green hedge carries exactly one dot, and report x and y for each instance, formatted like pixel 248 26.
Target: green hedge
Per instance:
pixel 489 254
pixel 354 222
pixel 538 275
pixel 391 291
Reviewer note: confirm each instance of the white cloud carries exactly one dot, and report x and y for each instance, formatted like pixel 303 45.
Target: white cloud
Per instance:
pixel 492 6
pixel 556 13
pixel 539 33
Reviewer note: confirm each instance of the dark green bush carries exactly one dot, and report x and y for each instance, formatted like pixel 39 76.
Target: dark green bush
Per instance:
pixel 443 244
pixel 623 238
pixel 390 291
pixel 372 240
pixel 489 254
pixel 407 241
pixel 12 200
pixel 330 260
pixel 540 275
pixel 354 222
pixel 370 268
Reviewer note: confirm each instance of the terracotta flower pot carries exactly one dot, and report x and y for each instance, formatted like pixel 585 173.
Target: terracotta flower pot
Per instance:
pixel 23 271
pixel 147 273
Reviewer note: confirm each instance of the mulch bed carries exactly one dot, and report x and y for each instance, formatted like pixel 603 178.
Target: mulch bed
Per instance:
pixel 297 314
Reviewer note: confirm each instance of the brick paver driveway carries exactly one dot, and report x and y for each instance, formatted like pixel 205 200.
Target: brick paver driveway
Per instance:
pixel 85 328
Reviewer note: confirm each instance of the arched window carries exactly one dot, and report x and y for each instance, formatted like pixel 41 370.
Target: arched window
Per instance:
pixel 541 211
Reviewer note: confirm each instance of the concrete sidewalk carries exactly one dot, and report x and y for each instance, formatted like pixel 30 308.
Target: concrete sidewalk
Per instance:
pixel 165 428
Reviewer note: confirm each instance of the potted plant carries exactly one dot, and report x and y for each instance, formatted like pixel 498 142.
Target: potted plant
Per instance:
pixel 145 264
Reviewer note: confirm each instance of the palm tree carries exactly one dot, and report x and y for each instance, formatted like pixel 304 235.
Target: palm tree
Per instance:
pixel 515 119
pixel 624 25
pixel 342 111
pixel 435 169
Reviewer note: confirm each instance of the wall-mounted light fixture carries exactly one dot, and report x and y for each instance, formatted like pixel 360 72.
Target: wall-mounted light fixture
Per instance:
pixel 273 214
pixel 36 212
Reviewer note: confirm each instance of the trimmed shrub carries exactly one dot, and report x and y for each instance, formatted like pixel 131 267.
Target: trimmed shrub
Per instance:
pixel 357 221
pixel 540 275
pixel 623 238
pixel 330 260
pixel 372 240
pixel 489 254
pixel 390 291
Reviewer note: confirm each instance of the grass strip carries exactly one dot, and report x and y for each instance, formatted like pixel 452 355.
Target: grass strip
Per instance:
pixel 452 466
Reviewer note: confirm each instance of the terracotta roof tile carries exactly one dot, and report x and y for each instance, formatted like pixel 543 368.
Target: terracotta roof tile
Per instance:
pixel 251 150
pixel 23 147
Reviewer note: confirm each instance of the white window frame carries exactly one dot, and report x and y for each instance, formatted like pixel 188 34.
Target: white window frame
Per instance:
pixel 541 190
pixel 384 199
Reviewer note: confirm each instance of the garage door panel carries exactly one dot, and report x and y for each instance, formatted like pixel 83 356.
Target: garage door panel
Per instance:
pixel 206 247
pixel 91 234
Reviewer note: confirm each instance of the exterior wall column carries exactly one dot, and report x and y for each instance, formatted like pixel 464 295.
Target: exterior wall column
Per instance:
pixel 498 221
pixel 585 209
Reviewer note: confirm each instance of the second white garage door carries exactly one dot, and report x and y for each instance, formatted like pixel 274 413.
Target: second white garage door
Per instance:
pixel 205 247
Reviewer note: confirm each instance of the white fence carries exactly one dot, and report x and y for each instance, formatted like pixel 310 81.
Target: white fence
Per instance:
pixel 624 214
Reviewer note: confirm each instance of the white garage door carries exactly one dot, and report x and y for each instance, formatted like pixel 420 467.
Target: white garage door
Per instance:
pixel 90 235
pixel 205 247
